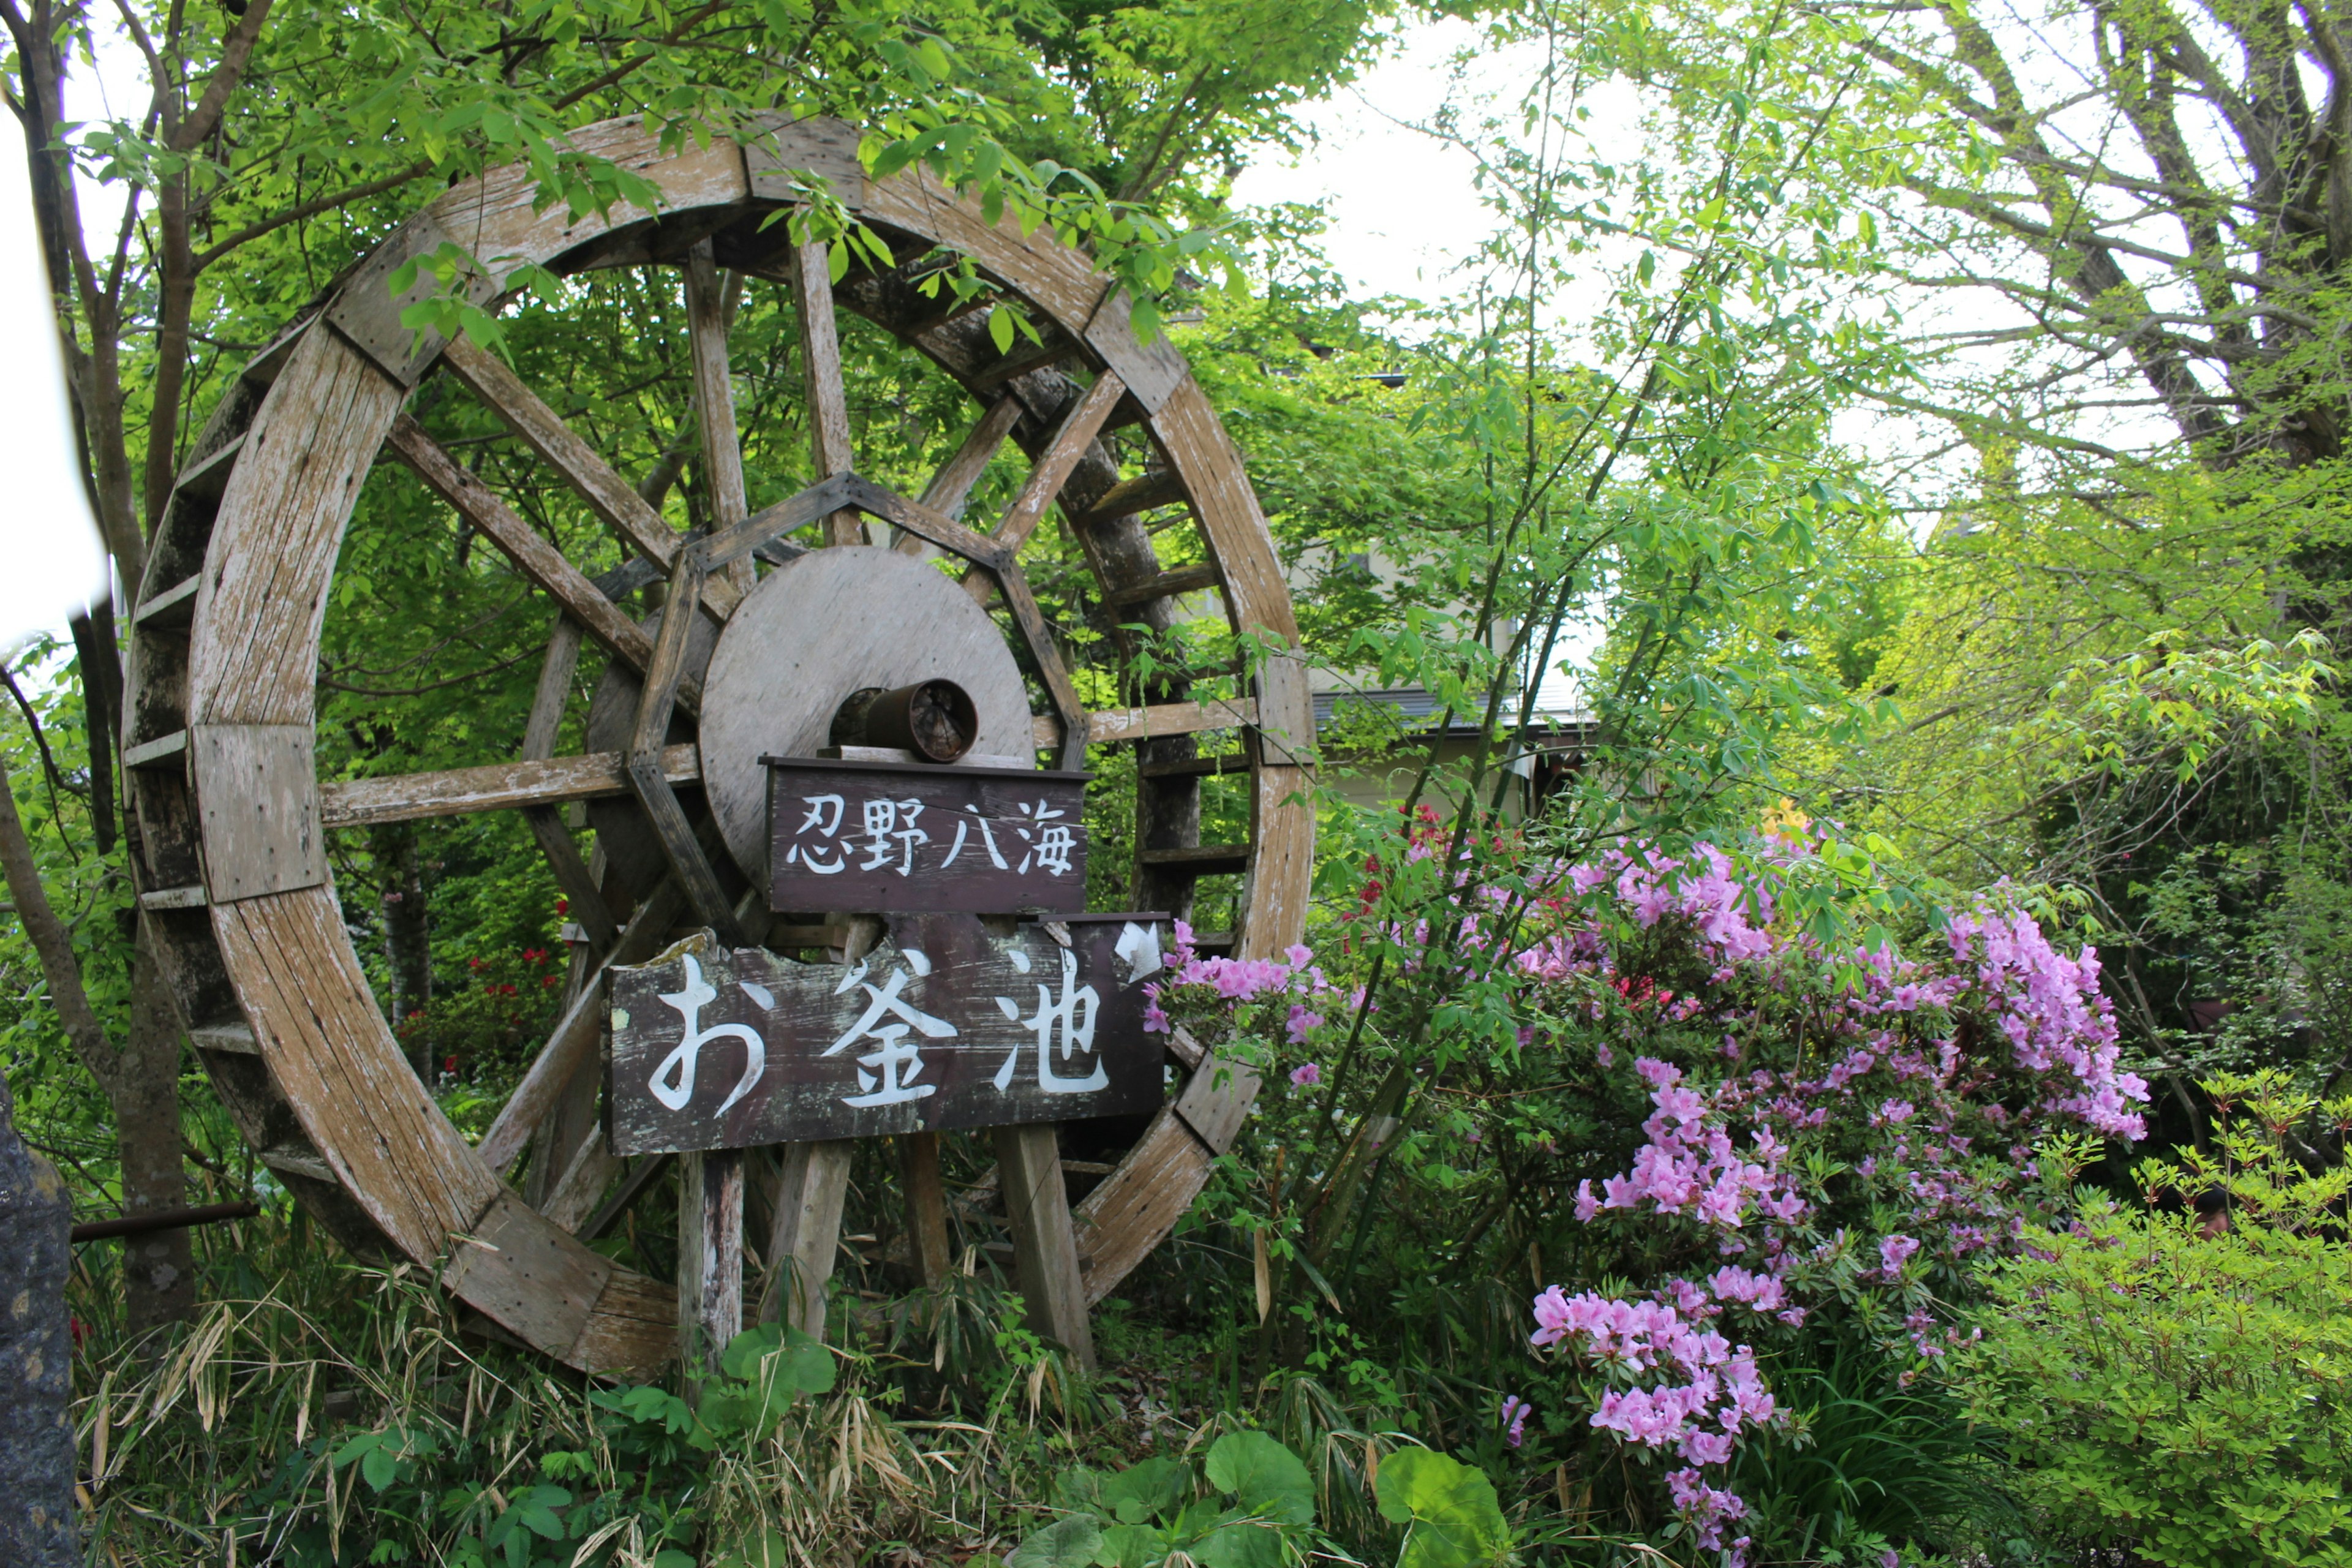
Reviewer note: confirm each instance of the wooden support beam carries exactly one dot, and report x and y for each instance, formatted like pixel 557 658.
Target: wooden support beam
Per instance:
pixel 1054 467
pixel 1201 859
pixel 927 1206
pixel 663 673
pixel 1021 362
pixel 1170 584
pixel 613 498
pixel 950 487
pixel 534 556
pixel 1160 486
pixel 498 787
pixel 800 1252
pixel 1108 724
pixel 828 400
pixel 707 314
pixel 1045 1248
pixel 1197 767
pixel 709 1257
pixel 539 735
pixel 921 520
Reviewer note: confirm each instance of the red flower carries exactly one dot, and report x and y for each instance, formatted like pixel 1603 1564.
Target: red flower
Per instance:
pixel 473 964
pixel 563 906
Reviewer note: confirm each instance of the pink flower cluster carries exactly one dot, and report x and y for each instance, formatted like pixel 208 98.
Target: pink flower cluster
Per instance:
pixel 1690 1166
pixel 1707 1391
pixel 2052 1013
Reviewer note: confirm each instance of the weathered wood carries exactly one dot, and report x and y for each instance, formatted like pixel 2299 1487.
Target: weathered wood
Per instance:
pixel 777 151
pixel 1201 859
pixel 1155 369
pixel 1125 1217
pixel 945 1025
pixel 763 527
pixel 919 519
pixel 927 1207
pixel 613 498
pixel 810 1192
pixel 572 1198
pixel 1107 725
pixel 1047 655
pixel 236 1038
pixel 1216 1100
pixel 952 487
pixel 817 629
pixel 531 554
pixel 191 897
pixel 709 1257
pixel 38 1527
pixel 704 893
pixel 632 1331
pixel 714 404
pixel 498 786
pixel 907 836
pixel 1200 449
pixel 529 1276
pixel 1044 1250
pixel 538 736
pixel 258 798
pixel 174 606
pixel 1052 468
pixel 1173 584
pixel 1215 764
pixel 1037 356
pixel 367 313
pixel 164 752
pixel 573 1039
pixel 1188 1052
pixel 828 399
pixel 1158 488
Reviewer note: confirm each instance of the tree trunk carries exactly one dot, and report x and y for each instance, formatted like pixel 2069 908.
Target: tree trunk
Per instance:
pixel 159 1283
pixel 36 1442
pixel 407 949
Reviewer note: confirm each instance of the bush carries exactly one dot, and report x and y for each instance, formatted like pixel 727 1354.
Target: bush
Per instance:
pixel 2186 1394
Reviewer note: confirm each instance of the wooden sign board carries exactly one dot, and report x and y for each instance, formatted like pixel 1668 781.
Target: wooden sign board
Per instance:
pixel 943 1025
pixel 886 837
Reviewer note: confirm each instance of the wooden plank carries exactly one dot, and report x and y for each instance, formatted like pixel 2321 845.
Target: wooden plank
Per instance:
pixel 573 1039
pixel 174 606
pixel 531 554
pixel 235 1038
pixel 254 648
pixel 886 837
pixel 1048 658
pixel 497 787
pixel 927 1207
pixel 777 150
pixel 1044 1250
pixel 1158 488
pixel 802 1247
pixel 709 1258
pixel 1155 369
pixel 346 1079
pixel 828 399
pixel 1021 362
pixel 190 898
pixel 526 1274
pixel 613 498
pixel 546 824
pixel 1054 467
pixel 367 313
pixel 573 1197
pixel 918 519
pixel 1198 449
pixel 656 701
pixel 165 751
pixel 1214 765
pixel 1107 725
pixel 1057 278
pixel 258 796
pixel 944 1026
pixel 1286 726
pixel 1119 1222
pixel 1216 1100
pixel 714 401
pixel 498 217
pixel 1170 585
pixel 1201 859
pixel 762 527
pixel 950 487
pixel 632 1331
pixel 1188 1052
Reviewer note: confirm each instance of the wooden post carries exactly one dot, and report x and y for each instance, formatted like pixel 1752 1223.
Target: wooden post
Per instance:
pixel 927 1206
pixel 1045 1248
pixel 801 1249
pixel 710 1257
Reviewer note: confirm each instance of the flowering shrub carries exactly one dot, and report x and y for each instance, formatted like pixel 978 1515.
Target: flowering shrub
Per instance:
pixel 1820 1133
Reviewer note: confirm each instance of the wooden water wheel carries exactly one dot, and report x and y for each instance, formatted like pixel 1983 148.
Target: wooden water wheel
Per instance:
pixel 233 822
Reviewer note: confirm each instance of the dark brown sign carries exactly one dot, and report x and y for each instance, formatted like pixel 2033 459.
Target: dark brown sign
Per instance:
pixel 886 837
pixel 943 1026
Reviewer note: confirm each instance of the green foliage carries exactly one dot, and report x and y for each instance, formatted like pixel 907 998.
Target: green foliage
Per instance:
pixel 2187 1392
pixel 1449 1510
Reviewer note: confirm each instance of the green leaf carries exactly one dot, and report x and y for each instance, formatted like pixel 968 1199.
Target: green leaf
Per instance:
pixel 1242 1545
pixel 1144 1490
pixel 1450 1507
pixel 1069 1543
pixel 1262 1475
pixel 1001 327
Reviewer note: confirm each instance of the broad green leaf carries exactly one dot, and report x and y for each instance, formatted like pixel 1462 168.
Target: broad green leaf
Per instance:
pixel 1451 1509
pixel 1144 1490
pixel 1069 1543
pixel 1262 1475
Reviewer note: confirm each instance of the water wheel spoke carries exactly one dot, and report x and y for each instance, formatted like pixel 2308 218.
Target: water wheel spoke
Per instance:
pixel 538 736
pixel 714 401
pixel 950 487
pixel 828 398
pixel 1074 730
pixel 573 1039
pixel 1086 415
pixel 1109 725
pixel 613 498
pixel 924 524
pixel 531 553
pixel 497 787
